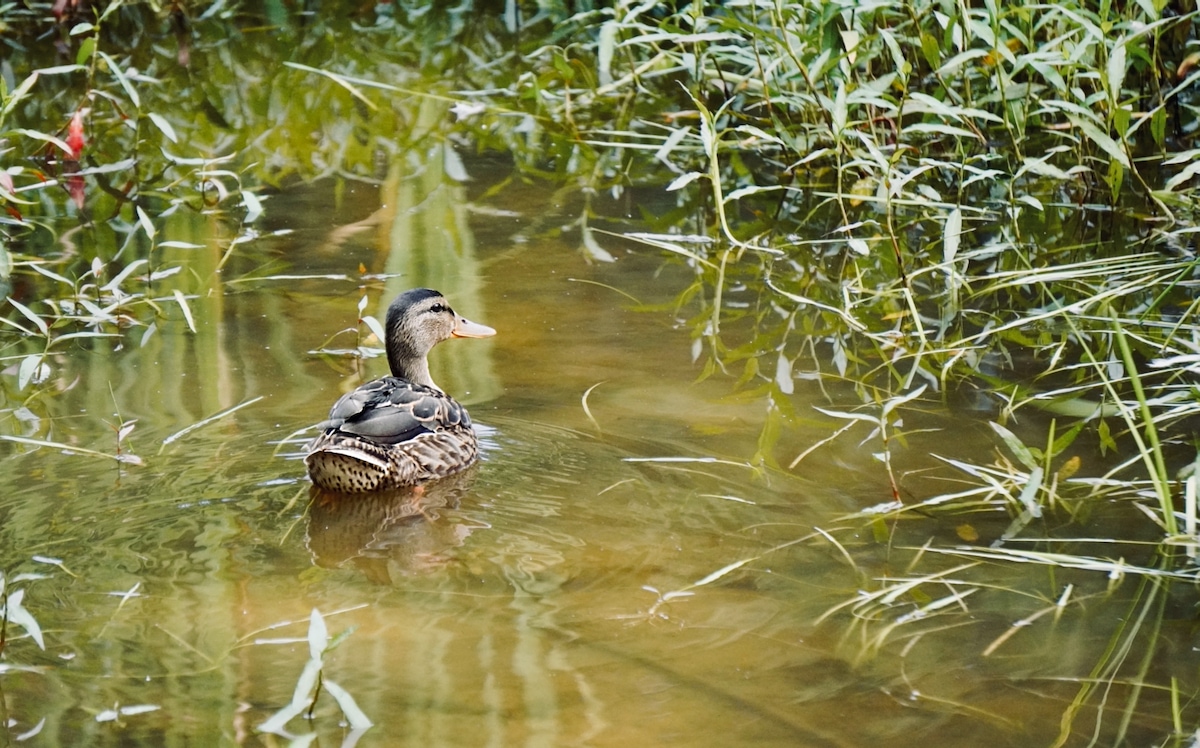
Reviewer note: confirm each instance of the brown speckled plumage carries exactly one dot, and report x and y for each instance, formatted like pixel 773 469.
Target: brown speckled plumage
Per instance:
pixel 399 430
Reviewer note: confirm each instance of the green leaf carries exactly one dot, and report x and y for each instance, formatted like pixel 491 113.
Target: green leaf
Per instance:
pixel 1101 139
pixel 1028 497
pixel 145 222
pixel 953 236
pixel 355 716
pixel 683 180
pixel 28 370
pixel 29 314
pixel 1107 443
pixel 783 375
pixel 375 327
pixel 121 77
pixel 1115 177
pixel 605 45
pixel 1019 450
pixel 1158 126
pixel 931 49
pixel 318 634
pixel 1183 177
pixel 86 50
pixel 18 94
pixel 58 142
pixel 161 123
pixel 16 613
pixel 1115 71
pixel 187 310
pixel 1061 443
pixel 279 719
pixel 841 113
pixel 253 206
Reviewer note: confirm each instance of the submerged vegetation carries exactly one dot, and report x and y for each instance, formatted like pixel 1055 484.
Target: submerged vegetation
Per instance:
pixel 988 205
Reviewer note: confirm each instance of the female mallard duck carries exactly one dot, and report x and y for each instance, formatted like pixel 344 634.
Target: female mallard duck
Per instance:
pixel 400 430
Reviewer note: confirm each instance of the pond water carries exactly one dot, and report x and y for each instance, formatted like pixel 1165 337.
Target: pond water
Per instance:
pixel 615 572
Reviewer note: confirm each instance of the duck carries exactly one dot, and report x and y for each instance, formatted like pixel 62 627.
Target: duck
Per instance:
pixel 400 430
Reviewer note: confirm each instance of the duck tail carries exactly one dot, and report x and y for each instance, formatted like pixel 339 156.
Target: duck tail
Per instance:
pixel 347 465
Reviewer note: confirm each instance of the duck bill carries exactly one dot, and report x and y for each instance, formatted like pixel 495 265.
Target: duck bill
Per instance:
pixel 465 328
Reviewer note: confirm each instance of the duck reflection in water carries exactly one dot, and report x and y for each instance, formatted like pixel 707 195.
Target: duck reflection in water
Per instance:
pixel 406 531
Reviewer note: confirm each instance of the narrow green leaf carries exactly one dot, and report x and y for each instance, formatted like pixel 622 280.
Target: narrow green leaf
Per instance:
pixel 1115 70
pixel 37 268
pixel 57 445
pixel 1104 433
pixel 6 263
pixel 1043 168
pixel 318 634
pixel 278 721
pixel 1115 177
pixel 1068 438
pixel 594 250
pixel 1101 139
pixel 57 142
pixel 16 613
pixel 146 224
pixel 863 417
pixel 683 180
pixel 187 310
pixel 165 127
pixel 1028 497
pixel 673 140
pixel 128 270
pixel 937 128
pixel 453 166
pixel 18 93
pixel 355 716
pixel 895 402
pixel 119 74
pixel 1158 126
pixel 1183 177
pixel 953 237
pixel 254 207
pixel 841 113
pixel 375 327
pixel 86 50
pixel 1019 450
pixel 28 370
pixel 29 315
pixel 931 49
pixel 605 45
pixel 783 375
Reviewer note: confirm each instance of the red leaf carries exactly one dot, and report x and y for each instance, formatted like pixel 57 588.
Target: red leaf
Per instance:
pixel 76 189
pixel 75 137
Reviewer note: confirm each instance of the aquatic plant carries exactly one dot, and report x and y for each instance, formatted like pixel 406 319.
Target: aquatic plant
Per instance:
pixel 312 681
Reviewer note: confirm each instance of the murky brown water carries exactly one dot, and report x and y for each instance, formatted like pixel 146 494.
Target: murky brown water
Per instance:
pixel 527 603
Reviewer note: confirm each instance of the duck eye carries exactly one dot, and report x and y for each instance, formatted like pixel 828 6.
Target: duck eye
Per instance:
pixel 439 308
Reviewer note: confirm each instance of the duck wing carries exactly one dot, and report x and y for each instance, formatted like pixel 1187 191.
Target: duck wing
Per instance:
pixel 393 410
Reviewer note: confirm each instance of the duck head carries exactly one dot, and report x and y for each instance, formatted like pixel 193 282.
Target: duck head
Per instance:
pixel 417 320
